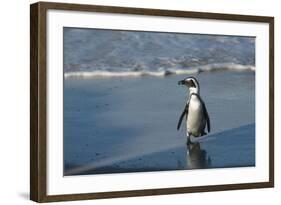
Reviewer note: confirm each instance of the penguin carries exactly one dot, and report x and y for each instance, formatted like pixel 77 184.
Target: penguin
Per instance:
pixel 195 111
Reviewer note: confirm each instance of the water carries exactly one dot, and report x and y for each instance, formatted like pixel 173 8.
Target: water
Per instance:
pixel 97 52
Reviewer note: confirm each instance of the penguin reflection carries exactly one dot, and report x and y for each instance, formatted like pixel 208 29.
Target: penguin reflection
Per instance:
pixel 196 157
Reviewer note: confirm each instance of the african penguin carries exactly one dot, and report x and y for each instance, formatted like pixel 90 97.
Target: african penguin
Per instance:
pixel 195 111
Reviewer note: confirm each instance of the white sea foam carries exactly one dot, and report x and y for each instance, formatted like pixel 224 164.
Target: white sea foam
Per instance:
pixel 161 73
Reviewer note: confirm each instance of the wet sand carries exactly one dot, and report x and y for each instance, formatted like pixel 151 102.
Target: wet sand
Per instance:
pixel 116 125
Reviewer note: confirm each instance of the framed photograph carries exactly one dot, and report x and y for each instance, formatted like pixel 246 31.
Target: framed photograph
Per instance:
pixel 134 102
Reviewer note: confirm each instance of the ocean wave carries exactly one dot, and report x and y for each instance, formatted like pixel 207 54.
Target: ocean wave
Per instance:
pixel 161 72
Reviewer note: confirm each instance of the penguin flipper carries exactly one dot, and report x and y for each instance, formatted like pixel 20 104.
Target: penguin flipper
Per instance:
pixel 207 117
pixel 185 112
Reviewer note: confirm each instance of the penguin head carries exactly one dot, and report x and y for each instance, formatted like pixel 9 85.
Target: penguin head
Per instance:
pixel 191 83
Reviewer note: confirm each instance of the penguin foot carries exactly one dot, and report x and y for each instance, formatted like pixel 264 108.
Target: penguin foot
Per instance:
pixel 203 134
pixel 188 141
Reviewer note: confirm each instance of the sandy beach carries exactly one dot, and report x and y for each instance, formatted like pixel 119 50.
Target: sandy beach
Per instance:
pixel 117 125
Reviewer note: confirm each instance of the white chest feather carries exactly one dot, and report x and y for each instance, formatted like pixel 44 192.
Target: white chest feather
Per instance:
pixel 195 118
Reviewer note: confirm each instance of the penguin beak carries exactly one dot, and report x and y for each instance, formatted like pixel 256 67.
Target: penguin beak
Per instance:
pixel 182 82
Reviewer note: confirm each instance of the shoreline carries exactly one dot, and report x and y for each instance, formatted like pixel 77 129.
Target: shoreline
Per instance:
pixel 161 73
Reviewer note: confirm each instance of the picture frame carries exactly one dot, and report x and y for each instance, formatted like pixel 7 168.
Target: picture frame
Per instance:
pixel 40 79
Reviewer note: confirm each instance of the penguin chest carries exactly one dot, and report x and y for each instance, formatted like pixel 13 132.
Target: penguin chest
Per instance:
pixel 195 118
